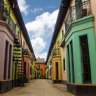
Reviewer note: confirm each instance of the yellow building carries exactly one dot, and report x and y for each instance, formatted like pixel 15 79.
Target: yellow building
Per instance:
pixel 62 45
pixel 56 59
pixel 79 45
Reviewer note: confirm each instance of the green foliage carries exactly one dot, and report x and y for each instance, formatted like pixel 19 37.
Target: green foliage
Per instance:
pixel 25 52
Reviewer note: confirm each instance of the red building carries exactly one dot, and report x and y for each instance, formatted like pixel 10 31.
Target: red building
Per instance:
pixel 27 65
pixel 40 68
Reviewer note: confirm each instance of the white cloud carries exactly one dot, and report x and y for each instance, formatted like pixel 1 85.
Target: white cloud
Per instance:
pixel 38 46
pixel 37 10
pixel 23 6
pixel 43 24
pixel 42 55
pixel 40 31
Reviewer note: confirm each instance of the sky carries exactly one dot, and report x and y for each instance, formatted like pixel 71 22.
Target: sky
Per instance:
pixel 40 18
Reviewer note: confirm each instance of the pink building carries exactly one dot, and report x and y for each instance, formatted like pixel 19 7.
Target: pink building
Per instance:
pixel 6 56
pixel 27 65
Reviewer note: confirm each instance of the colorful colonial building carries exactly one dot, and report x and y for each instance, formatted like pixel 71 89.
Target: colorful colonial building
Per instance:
pixel 77 17
pixel 40 68
pixel 80 42
pixel 55 59
pixel 14 41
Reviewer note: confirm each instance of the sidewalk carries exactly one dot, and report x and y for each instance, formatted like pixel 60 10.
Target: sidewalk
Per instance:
pixel 16 89
pixel 61 87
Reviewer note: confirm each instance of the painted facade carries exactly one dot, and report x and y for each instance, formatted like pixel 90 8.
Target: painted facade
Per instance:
pixel 40 68
pixel 6 50
pixel 78 19
pixel 63 54
pixel 56 69
pixel 14 38
pixel 80 37
pixel 27 65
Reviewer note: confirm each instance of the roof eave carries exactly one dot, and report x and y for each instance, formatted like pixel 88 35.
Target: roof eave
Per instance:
pixel 21 23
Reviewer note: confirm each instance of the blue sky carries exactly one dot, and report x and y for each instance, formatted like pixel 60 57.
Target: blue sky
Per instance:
pixel 40 18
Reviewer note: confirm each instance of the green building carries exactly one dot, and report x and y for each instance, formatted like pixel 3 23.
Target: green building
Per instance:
pixel 80 44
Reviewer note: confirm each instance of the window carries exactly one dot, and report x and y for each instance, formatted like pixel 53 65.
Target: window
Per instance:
pixel 85 59
pixel 64 64
pixel 6 60
pixel 10 56
pixel 24 68
pixel 62 33
pixel 56 70
pixel 1 8
pixel 39 67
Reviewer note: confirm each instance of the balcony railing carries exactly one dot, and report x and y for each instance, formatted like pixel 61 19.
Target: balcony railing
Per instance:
pixel 56 52
pixel 5 16
pixel 12 25
pixel 78 11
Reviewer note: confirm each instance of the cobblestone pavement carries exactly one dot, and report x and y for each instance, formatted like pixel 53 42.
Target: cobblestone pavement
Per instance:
pixel 38 87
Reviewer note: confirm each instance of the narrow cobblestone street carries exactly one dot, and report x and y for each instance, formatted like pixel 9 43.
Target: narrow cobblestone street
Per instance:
pixel 38 87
